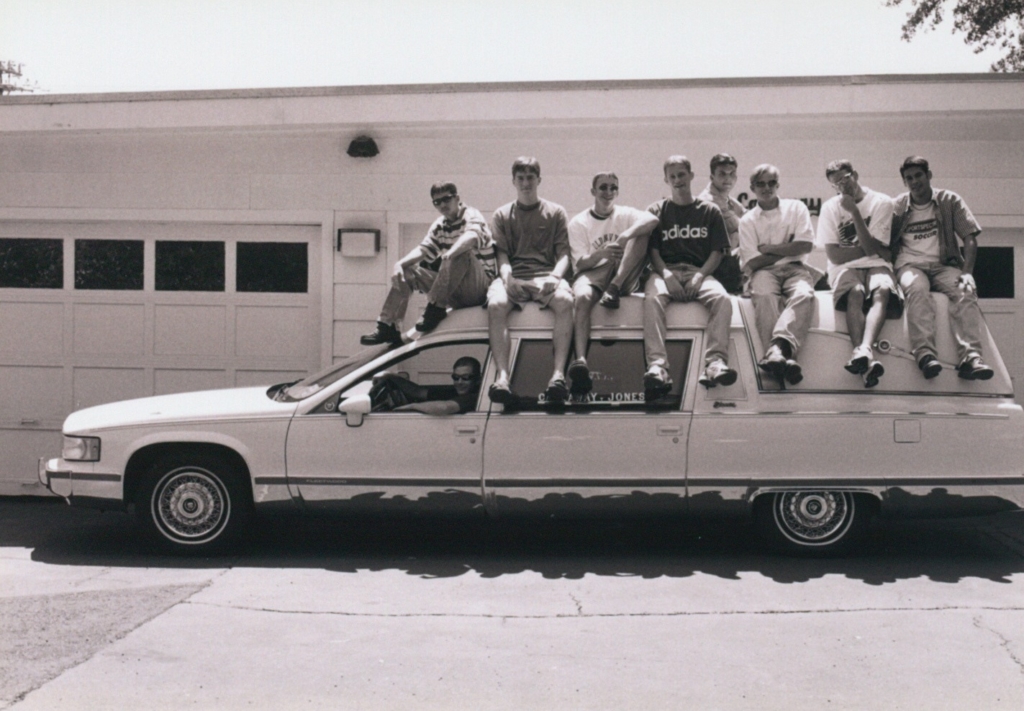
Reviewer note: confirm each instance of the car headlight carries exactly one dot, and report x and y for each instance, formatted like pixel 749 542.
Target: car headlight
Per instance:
pixel 81 449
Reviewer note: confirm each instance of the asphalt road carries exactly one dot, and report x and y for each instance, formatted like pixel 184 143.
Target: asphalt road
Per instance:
pixel 442 613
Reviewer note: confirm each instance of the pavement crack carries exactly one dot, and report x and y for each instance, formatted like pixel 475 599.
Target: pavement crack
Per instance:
pixel 579 612
pixel 579 605
pixel 1003 642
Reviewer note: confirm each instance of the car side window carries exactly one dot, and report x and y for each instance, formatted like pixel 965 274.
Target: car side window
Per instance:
pixel 616 367
pixel 434 373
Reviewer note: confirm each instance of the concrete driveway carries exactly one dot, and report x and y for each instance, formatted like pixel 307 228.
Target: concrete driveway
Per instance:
pixel 425 613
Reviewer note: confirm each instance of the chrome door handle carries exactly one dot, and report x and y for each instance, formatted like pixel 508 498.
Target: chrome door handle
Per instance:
pixel 467 430
pixel 669 430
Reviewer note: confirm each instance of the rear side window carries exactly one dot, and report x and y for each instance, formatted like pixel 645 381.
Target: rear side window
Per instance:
pixel 616 367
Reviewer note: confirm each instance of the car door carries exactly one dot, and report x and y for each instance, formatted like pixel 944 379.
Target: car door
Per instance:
pixel 608 449
pixel 385 455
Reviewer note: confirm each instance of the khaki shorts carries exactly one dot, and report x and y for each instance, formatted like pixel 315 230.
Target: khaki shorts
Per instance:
pixel 531 287
pixel 601 276
pixel 872 279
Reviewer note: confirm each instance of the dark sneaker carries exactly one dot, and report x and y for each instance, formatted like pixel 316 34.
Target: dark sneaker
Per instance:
pixel 557 390
pixel 385 333
pixel 793 373
pixel 859 363
pixel 656 383
pixel 718 373
pixel 500 392
pixel 873 373
pixel 432 315
pixel 579 376
pixel 975 369
pixel 610 297
pixel 773 363
pixel 930 366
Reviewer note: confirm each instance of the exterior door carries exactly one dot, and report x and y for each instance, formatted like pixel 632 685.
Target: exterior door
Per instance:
pixel 393 456
pixel 594 453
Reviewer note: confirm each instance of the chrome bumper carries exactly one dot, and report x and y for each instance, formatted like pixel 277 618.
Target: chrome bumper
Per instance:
pixel 58 476
pixel 55 476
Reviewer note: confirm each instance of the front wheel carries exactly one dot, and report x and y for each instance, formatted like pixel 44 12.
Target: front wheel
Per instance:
pixel 816 523
pixel 192 505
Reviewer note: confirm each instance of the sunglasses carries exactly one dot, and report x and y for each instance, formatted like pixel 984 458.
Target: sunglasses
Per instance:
pixel 837 182
pixel 766 184
pixel 608 188
pixel 438 202
pixel 463 378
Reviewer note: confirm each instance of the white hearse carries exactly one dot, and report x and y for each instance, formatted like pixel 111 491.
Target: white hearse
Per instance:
pixel 812 462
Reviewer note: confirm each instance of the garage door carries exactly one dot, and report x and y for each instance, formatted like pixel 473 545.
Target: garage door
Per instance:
pixel 97 312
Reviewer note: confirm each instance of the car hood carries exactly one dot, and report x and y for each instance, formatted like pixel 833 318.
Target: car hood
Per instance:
pixel 204 406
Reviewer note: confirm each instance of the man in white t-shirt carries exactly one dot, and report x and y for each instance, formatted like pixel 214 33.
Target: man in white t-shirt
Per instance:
pixel 608 248
pixel 775 238
pixel 926 225
pixel 854 229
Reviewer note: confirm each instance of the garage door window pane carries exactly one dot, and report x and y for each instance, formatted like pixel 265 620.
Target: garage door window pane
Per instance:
pixel 993 272
pixel 281 267
pixel 32 263
pixel 189 266
pixel 108 264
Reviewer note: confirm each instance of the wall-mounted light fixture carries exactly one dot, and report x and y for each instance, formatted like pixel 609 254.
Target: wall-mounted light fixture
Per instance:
pixel 358 243
pixel 363 147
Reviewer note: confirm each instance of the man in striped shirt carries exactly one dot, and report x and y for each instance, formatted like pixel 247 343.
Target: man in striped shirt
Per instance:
pixel 453 265
pixel 925 227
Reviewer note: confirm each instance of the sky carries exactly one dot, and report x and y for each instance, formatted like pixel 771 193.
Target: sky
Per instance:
pixel 87 46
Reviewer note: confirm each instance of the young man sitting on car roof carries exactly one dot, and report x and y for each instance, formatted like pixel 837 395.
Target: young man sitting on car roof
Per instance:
pixel 608 243
pixel 532 241
pixel 854 228
pixel 926 225
pixel 723 180
pixel 685 249
pixel 453 266
pixel 775 238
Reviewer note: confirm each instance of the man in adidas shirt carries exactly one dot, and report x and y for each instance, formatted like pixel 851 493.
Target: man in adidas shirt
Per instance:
pixel 854 228
pixel 608 244
pixel 775 239
pixel 686 248
pixel 926 225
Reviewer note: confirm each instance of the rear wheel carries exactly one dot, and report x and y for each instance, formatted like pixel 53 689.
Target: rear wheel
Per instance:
pixel 193 504
pixel 812 522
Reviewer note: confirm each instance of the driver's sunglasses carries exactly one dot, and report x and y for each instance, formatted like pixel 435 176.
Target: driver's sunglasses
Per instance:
pixel 766 184
pixel 463 378
pixel 438 202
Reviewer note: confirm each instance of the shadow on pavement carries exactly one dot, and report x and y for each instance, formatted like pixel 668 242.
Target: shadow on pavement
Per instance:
pixel 990 547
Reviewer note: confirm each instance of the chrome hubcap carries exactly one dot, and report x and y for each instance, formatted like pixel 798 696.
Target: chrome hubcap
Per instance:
pixel 191 505
pixel 814 517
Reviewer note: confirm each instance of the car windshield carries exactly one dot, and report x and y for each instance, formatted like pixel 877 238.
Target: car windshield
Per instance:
pixel 318 381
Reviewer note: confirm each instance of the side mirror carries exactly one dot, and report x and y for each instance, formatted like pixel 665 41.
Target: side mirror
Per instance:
pixel 354 408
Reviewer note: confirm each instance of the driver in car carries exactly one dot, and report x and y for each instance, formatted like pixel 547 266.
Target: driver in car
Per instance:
pixel 392 392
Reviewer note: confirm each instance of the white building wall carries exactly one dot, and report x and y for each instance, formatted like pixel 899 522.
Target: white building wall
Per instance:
pixel 277 157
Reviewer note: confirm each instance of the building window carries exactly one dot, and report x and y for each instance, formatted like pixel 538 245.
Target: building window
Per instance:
pixel 993 272
pixel 108 264
pixel 273 267
pixel 189 266
pixel 31 263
